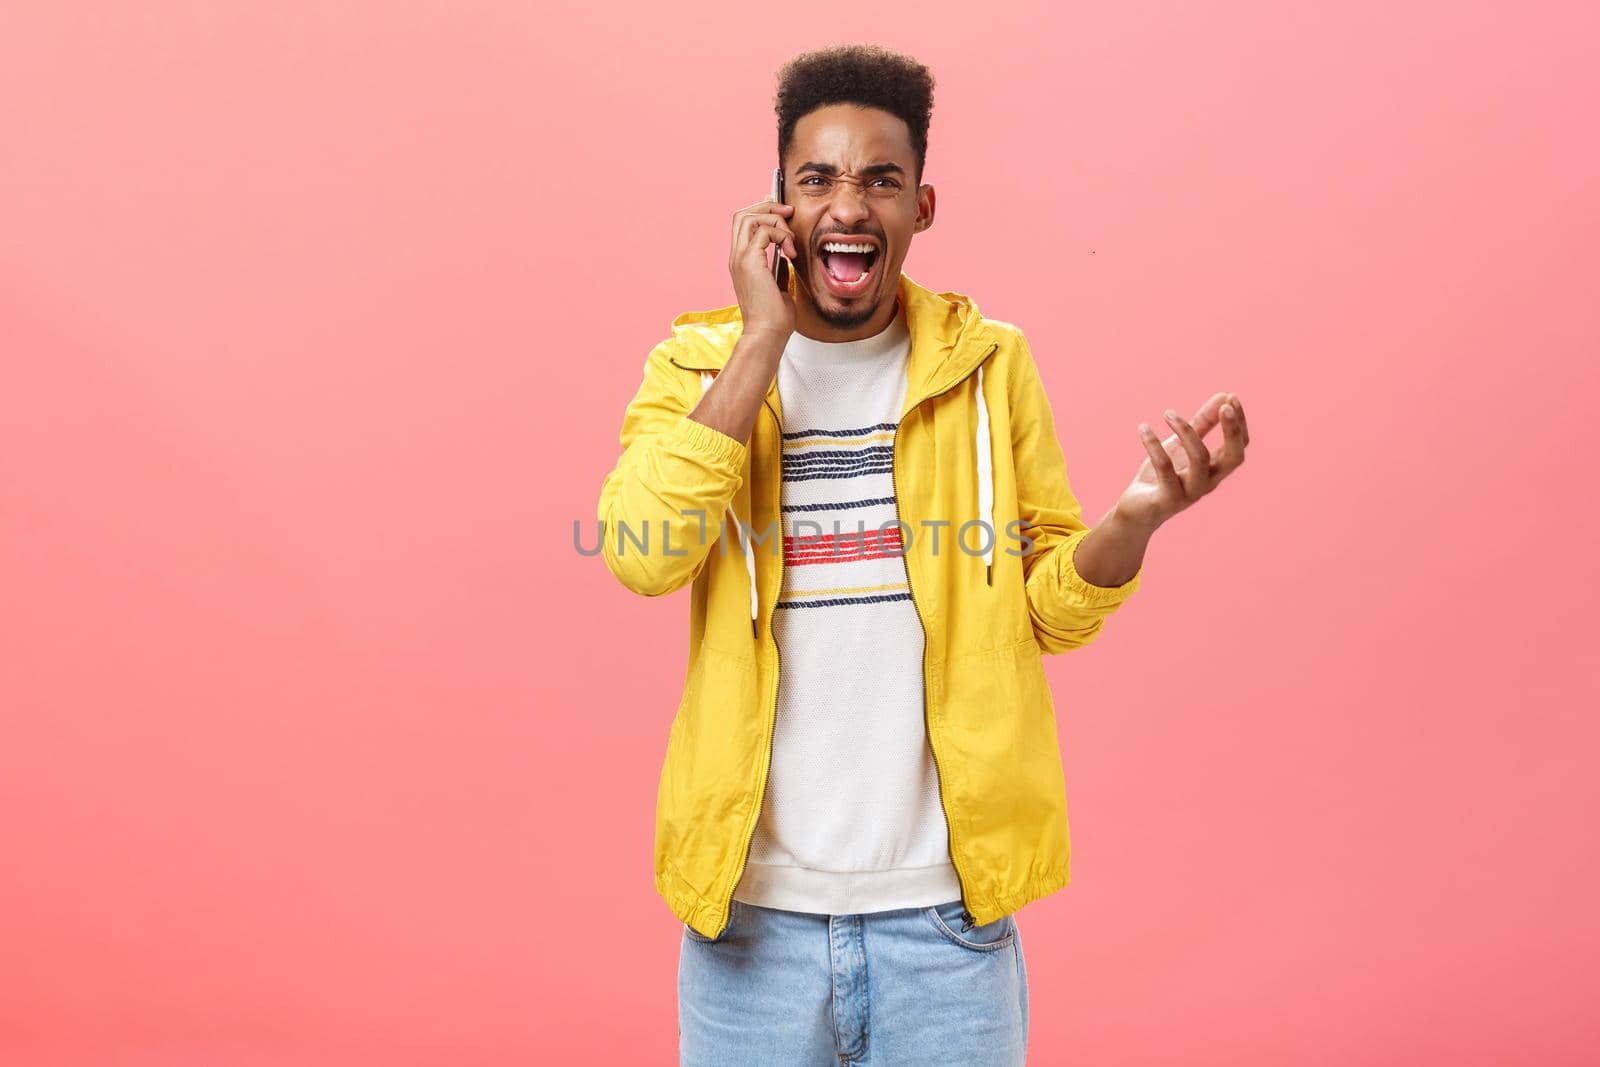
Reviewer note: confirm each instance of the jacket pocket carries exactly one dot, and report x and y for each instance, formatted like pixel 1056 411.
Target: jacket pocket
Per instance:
pixel 687 700
pixel 1001 770
pixel 708 780
pixel 1033 688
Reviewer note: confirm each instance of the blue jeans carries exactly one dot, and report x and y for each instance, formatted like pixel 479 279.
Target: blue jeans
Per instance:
pixel 903 988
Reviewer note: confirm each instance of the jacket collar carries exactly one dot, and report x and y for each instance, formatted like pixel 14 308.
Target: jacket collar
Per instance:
pixel 949 338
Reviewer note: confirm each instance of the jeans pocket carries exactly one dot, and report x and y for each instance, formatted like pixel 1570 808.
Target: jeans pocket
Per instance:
pixel 694 935
pixel 948 920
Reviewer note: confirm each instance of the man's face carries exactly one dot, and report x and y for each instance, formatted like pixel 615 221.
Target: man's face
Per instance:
pixel 850 174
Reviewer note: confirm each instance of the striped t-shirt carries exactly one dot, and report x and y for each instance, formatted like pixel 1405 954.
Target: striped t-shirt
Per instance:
pixel 851 820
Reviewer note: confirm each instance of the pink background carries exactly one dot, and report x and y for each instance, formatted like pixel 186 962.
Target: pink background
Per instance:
pixel 320 743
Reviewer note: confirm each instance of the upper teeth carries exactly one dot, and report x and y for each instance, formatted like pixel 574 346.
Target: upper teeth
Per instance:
pixel 836 246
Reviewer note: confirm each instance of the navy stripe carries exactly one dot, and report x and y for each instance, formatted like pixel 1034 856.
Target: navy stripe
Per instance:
pixel 824 468
pixel 851 473
pixel 841 433
pixel 848 464
pixel 842 601
pixel 839 462
pixel 841 505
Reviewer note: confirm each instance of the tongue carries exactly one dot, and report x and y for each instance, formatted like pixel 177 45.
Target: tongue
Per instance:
pixel 848 266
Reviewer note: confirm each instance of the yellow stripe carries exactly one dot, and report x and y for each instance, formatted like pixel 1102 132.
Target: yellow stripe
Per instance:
pixel 790 446
pixel 849 589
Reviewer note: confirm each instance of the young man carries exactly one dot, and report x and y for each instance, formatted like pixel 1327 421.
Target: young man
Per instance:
pixel 862 481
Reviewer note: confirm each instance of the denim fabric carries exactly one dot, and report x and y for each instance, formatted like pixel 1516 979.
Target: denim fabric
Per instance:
pixel 902 988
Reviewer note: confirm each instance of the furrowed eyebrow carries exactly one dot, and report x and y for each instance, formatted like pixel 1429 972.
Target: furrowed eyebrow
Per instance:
pixel 832 171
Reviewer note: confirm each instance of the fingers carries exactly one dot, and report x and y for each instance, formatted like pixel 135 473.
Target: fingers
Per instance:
pixel 768 204
pixel 1165 473
pixel 770 209
pixel 763 236
pixel 1204 469
pixel 1208 415
pixel 1231 455
pixel 1235 434
pixel 750 226
pixel 1238 408
pixel 1199 469
pixel 1235 437
pixel 777 232
pixel 744 220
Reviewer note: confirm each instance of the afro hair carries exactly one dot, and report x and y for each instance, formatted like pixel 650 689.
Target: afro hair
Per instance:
pixel 866 75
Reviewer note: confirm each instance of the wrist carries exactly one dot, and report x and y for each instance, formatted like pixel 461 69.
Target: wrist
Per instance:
pixel 1131 525
pixel 763 341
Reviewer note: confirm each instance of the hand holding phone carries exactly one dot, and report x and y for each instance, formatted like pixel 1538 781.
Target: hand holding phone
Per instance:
pixel 762 289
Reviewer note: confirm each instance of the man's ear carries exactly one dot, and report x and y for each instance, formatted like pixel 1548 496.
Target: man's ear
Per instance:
pixel 925 206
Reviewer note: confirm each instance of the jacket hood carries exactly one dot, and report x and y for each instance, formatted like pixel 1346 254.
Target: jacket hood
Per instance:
pixel 949 340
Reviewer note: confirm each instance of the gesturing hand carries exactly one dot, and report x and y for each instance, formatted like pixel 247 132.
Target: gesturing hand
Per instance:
pixel 1180 470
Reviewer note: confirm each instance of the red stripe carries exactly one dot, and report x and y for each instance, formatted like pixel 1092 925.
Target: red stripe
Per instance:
pixel 808 561
pixel 843 548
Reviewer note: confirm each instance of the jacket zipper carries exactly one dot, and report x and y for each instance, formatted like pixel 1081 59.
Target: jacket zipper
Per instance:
pixel 766 763
pixel 967 920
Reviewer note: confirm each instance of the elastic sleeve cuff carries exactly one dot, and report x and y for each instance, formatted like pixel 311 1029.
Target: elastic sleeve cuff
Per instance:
pixel 714 445
pixel 1094 595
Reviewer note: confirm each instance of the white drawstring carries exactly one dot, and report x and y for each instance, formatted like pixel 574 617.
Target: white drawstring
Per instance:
pixel 985 480
pixel 749 553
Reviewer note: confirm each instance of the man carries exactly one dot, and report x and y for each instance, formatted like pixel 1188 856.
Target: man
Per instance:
pixel 861 479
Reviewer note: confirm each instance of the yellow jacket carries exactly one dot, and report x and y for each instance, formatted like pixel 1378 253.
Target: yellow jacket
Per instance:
pixel 976 441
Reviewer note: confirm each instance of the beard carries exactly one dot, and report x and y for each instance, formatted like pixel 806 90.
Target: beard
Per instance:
pixel 847 319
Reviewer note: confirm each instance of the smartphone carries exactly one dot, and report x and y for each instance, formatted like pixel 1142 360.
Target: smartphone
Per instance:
pixel 780 264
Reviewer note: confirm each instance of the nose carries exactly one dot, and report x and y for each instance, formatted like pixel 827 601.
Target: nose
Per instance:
pixel 848 205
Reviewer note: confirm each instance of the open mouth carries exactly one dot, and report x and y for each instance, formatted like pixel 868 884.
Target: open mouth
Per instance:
pixel 848 263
